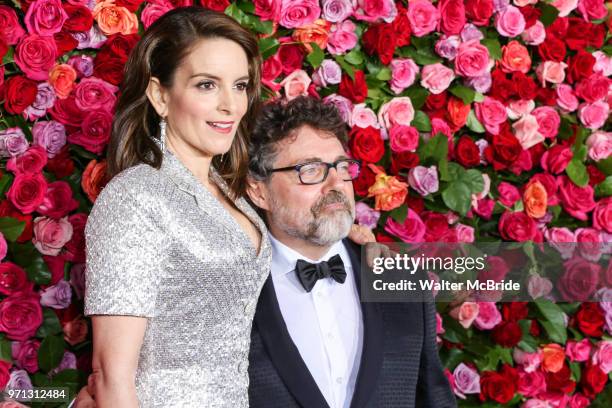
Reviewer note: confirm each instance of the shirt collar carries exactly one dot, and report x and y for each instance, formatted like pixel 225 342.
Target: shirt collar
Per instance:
pixel 285 258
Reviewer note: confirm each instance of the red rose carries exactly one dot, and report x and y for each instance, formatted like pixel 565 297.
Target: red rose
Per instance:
pixel 66 112
pixel 217 5
pixel 79 17
pixel 356 90
pixel 401 25
pixel 13 279
pixel 27 192
pixel 457 113
pixel 271 69
pixel 366 178
pixel 58 201
pixel 499 387
pixel 558 28
pixel 35 55
pixel 61 165
pixel 20 93
pixel 590 319
pixel 436 102
pixel 20 316
pixel 556 159
pixel 403 161
pixel 452 16
pixel 581 34
pixel 534 328
pixel 74 250
pixel 580 66
pixel 380 39
pixel 503 150
pixel 593 380
pixel 596 176
pixel 95 131
pixel 507 334
pixel 31 161
pixel 291 57
pixel 56 265
pixel 514 311
pixel 517 226
pixel 501 87
pixel 131 5
pixel 579 281
pixel 552 49
pixel 560 381
pixel 64 42
pixel 479 11
pixel 525 85
pixel 4 373
pixel 366 144
pixel 466 152
pixel 109 69
pixel 7 210
pixel 119 45
pixel 3 50
pixel 531 15
pixel 577 201
pixel 593 88
pixel 436 225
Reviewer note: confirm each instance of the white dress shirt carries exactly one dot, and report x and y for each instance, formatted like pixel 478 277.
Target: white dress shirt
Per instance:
pixel 326 324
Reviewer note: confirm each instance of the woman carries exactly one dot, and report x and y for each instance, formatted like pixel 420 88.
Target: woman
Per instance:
pixel 175 260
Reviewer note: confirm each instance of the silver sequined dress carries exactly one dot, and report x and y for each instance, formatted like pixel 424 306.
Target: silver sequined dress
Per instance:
pixel 159 245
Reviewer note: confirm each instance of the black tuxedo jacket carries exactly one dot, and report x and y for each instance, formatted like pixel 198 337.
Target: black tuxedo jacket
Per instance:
pixel 399 366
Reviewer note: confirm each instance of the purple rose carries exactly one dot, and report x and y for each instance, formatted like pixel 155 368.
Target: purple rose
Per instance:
pixel 77 279
pixel 45 99
pixel 480 84
pixel 336 10
pixel 91 39
pixel 447 46
pixel 467 381
pixel 471 32
pixel 69 361
pixel 25 354
pixel 12 142
pixel 51 135
pixel 19 380
pixel 83 65
pixel 57 296
pixel 366 216
pixel 329 73
pixel 424 179
pixel 344 106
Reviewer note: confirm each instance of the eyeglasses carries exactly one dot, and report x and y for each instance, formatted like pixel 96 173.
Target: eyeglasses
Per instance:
pixel 316 172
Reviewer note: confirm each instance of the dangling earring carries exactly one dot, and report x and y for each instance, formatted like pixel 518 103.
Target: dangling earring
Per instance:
pixel 162 134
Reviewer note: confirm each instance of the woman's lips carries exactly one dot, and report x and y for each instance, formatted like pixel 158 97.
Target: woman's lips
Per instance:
pixel 221 127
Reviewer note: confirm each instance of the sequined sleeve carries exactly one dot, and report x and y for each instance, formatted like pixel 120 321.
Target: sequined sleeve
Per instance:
pixel 123 255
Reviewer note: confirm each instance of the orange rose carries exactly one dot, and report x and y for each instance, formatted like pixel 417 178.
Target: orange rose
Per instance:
pixel 113 19
pixel 535 200
pixel 515 57
pixel 316 32
pixel 75 331
pixel 94 179
pixel 553 357
pixel 457 112
pixel 61 78
pixel 388 191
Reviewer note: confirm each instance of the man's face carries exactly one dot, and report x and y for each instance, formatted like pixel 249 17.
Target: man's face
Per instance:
pixel 320 214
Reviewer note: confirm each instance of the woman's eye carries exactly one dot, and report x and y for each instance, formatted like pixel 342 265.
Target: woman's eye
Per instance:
pixel 243 86
pixel 206 85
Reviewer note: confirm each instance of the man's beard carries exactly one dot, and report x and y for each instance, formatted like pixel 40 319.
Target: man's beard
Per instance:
pixel 320 229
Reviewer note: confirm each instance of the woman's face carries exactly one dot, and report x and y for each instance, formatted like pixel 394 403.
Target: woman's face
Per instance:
pixel 208 98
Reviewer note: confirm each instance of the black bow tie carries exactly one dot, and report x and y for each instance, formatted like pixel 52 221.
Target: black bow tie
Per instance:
pixel 309 273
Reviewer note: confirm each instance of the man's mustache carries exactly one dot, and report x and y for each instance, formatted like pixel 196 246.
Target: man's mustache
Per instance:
pixel 334 197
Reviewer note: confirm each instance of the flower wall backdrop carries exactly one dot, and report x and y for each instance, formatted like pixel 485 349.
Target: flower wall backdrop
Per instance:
pixel 483 120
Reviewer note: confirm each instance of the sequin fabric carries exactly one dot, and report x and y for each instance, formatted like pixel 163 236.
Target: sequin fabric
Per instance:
pixel 159 245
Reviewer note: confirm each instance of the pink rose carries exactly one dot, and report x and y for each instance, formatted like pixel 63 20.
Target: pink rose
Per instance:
pixel 578 350
pixel 296 84
pixel 603 63
pixel 441 126
pixel 577 201
pixel 452 16
pixel 403 74
pixel 539 287
pixel 594 115
pixel 153 11
pixel 344 105
pixel 342 38
pixel 366 216
pixel 363 117
pixel 534 35
pixel 526 131
pixel 556 159
pixel 20 316
pixel 269 9
pixel 579 401
pixel 25 355
pixel 600 145
pixel 592 9
pixel 565 6
pixel 465 313
pixel 519 107
pixel 35 55
pixel 528 361
pixel 602 215
pixel 602 356
pixel 398 111
pixel 508 194
pixel 551 71
pixel 467 381
pixel 491 113
pixel 423 17
pixel 298 13
pixel 412 230
pixel 436 78
pixel 562 239
pixel 590 244
pixel 510 22
pixel 424 180
pixel 472 59
pixel 45 17
pixel 374 10
pixel 465 233
pixel 566 98
pixel 548 121
pixel 10 29
pixel 403 138
pixel 488 316
pixel 531 384
pixel 95 94
pixel 51 235
pixel 337 10
pixel 3 247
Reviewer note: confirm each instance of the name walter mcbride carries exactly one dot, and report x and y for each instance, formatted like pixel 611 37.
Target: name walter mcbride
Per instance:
pixel 443 285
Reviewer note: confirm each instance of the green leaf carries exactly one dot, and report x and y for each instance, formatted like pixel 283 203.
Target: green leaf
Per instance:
pixel 577 172
pixel 6 352
pixel 246 6
pixel 607 49
pixel 354 57
pixel 493 46
pixel 465 93
pixel 455 171
pixel 5 183
pixel 549 14
pixel 458 197
pixel 421 121
pixel 316 57
pixel 28 257
pixel 50 325
pixel 50 353
pixel 473 178
pixel 604 189
pixel 552 320
pixel 268 46
pixel 443 168
pixel 605 166
pixel 434 150
pixel 399 214
pixel 384 74
pixel 345 66
pixel 8 57
pixel 417 94
pixel 473 124
pixel 11 228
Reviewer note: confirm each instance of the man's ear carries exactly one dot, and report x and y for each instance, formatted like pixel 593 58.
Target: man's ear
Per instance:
pixel 258 193
pixel 157 96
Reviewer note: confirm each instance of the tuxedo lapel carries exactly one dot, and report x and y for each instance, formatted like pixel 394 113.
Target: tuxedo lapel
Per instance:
pixel 283 352
pixel 371 355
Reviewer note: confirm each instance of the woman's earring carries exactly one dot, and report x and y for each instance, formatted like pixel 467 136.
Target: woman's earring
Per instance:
pixel 162 134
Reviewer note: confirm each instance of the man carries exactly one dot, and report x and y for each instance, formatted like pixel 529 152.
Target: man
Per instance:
pixel 313 343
